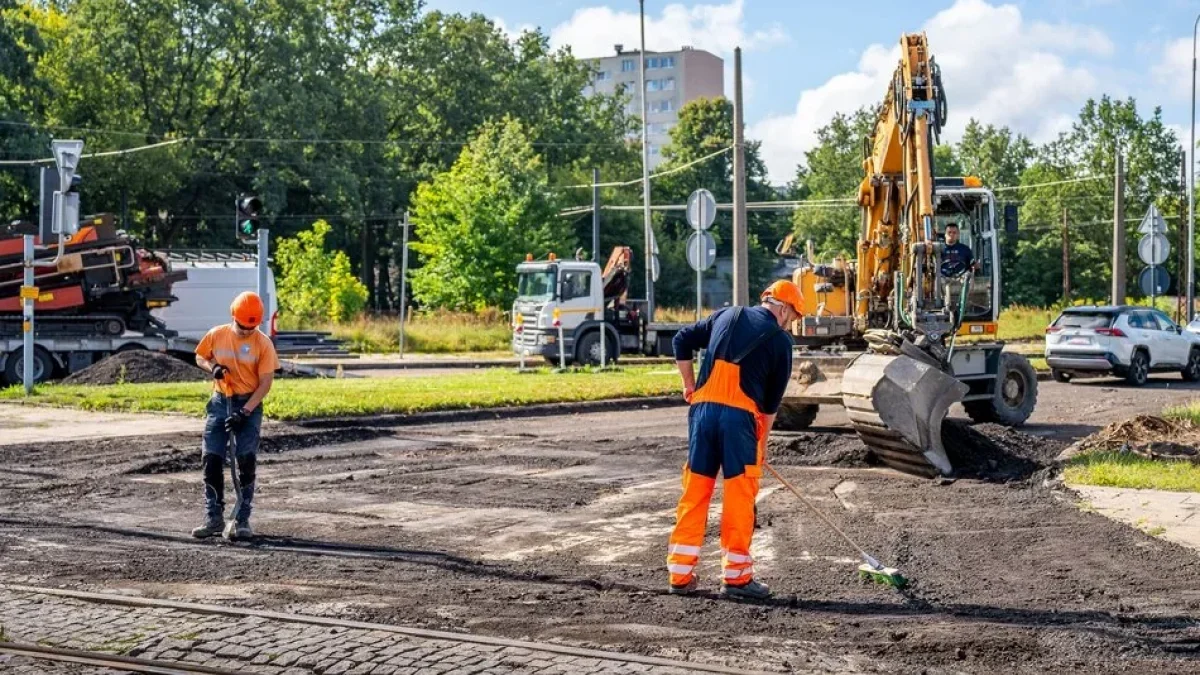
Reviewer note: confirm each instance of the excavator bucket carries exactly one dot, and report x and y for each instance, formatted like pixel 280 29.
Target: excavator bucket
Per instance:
pixel 897 404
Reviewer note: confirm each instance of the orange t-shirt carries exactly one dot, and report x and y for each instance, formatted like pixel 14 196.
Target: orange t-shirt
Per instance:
pixel 247 359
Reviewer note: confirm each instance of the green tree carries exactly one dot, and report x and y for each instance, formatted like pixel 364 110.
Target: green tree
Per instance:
pixel 476 221
pixel 705 126
pixel 315 283
pixel 995 154
pixel 833 170
pixel 1088 151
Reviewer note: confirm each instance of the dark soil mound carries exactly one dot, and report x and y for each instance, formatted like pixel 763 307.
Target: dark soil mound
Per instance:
pixel 819 449
pixel 996 452
pixel 137 366
pixel 987 451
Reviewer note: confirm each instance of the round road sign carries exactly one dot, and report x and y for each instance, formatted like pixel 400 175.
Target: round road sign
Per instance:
pixel 1156 284
pixel 701 250
pixel 701 209
pixel 1154 249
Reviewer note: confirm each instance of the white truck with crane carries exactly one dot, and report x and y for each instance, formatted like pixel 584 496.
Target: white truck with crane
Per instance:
pixel 590 305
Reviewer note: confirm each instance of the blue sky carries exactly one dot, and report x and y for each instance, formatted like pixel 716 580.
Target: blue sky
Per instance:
pixel 1027 65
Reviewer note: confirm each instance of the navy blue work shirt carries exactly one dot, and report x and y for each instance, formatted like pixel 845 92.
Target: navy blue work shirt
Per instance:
pixel 956 258
pixel 764 372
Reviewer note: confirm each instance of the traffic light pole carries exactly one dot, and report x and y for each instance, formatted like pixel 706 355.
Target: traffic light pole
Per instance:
pixel 264 291
pixel 27 323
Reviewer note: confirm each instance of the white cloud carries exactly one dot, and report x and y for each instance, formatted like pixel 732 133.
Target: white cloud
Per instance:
pixel 512 33
pixel 592 31
pixel 997 67
pixel 1174 69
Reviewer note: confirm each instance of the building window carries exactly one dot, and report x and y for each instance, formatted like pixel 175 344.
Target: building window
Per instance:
pixel 662 106
pixel 654 151
pixel 626 65
pixel 668 84
pixel 603 75
pixel 666 62
pixel 653 85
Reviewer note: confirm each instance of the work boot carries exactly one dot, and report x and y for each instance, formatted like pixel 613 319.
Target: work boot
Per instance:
pixel 211 528
pixel 751 591
pixel 235 531
pixel 683 589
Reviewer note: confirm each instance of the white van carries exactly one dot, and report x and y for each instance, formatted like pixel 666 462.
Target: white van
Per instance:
pixel 205 296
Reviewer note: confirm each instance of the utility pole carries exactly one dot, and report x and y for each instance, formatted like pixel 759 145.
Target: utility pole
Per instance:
pixel 741 255
pixel 1118 264
pixel 1066 252
pixel 596 215
pixel 646 224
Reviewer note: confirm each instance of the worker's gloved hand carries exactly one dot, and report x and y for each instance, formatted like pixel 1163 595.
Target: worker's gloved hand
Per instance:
pixel 237 420
pixel 218 372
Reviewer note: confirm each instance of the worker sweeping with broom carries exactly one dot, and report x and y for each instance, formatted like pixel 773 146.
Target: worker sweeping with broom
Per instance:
pixel 733 405
pixel 242 362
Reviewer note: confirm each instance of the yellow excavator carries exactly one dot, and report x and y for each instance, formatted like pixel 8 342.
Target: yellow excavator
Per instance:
pixel 901 334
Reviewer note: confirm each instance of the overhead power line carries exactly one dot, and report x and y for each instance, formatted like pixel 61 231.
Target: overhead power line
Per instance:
pixel 637 181
pixel 94 155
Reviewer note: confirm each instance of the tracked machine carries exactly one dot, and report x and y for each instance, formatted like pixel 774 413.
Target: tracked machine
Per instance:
pixel 102 284
pixel 893 335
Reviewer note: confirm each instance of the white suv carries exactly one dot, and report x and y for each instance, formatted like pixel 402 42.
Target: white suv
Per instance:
pixel 1129 342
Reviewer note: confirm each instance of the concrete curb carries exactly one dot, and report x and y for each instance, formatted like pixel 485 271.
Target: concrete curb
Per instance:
pixel 477 414
pixel 353 365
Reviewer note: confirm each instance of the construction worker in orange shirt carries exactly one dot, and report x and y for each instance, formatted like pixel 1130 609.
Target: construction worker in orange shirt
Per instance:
pixel 742 380
pixel 242 362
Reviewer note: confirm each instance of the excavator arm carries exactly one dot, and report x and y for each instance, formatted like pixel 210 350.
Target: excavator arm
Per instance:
pixel 897 251
pixel 898 393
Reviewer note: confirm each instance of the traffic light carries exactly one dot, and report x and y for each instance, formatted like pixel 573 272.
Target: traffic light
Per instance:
pixel 249 218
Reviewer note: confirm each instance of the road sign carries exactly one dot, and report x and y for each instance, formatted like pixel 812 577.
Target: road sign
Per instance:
pixel 701 250
pixel 1154 248
pixel 701 209
pixel 1154 281
pixel 1152 222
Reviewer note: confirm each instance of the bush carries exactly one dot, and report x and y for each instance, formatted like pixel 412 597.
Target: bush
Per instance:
pixel 316 284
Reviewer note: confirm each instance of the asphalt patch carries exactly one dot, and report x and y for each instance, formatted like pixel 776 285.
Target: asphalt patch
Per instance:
pixel 138 366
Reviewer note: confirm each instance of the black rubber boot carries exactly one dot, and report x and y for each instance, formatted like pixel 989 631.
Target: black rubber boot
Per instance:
pixel 214 497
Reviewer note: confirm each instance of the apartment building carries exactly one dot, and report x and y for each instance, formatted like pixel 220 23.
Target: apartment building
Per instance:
pixel 672 79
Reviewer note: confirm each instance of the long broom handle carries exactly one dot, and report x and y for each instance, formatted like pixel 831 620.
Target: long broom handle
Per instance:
pixel 811 507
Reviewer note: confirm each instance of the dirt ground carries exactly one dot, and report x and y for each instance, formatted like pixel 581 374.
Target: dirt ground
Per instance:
pixel 554 528
pixel 137 366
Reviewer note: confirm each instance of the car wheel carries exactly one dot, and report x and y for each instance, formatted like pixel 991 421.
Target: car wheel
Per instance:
pixel 1060 376
pixel 1139 369
pixel 1191 373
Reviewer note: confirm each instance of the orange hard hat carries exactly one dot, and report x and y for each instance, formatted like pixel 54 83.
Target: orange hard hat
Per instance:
pixel 787 293
pixel 247 310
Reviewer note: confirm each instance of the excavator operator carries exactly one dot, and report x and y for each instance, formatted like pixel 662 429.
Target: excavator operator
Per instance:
pixel 742 380
pixel 242 362
pixel 956 256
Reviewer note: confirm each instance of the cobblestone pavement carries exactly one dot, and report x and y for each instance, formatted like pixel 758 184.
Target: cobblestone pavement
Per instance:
pixel 261 645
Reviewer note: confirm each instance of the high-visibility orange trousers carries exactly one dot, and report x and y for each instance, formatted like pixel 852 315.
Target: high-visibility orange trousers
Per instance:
pixel 726 440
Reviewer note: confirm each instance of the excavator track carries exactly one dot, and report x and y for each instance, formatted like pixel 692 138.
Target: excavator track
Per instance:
pixel 897 404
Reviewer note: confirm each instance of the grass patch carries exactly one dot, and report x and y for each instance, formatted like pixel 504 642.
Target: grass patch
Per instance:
pixel 1127 470
pixel 294 399
pixel 1188 412
pixel 424 333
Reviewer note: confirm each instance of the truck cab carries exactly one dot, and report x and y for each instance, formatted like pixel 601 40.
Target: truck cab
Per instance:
pixel 572 289
pixel 590 305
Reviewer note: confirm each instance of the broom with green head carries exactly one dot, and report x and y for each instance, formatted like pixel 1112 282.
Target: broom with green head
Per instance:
pixel 871 568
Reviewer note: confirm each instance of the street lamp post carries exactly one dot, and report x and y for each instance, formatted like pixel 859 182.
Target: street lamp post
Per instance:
pixel 1191 191
pixel 649 235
